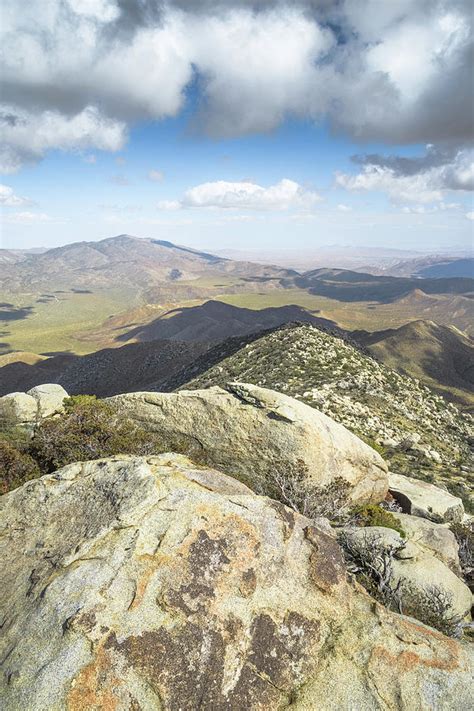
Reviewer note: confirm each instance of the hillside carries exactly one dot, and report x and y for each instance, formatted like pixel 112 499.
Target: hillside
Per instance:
pixel 216 321
pixel 135 366
pixel 440 356
pixel 437 266
pixel 418 432
pixel 55 301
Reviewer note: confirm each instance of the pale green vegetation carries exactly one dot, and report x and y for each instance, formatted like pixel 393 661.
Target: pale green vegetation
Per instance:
pixel 55 325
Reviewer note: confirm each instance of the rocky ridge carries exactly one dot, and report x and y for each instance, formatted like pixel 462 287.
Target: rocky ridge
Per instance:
pixel 417 431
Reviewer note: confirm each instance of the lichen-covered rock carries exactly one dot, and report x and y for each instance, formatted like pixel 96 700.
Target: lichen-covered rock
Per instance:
pixel 420 498
pixel 249 432
pixel 19 408
pixel 50 398
pixel 150 583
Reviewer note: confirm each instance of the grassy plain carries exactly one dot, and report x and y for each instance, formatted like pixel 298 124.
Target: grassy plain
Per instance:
pixel 53 325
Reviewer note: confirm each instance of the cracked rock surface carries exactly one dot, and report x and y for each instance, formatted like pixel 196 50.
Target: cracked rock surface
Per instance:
pixel 151 583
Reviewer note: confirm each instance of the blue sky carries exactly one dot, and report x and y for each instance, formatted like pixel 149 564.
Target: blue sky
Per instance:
pixel 229 151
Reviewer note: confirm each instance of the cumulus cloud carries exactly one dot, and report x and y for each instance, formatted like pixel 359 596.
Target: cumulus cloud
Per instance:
pixel 421 179
pixel 78 73
pixel 245 195
pixel 8 197
pixel 344 208
pixel 470 215
pixel 412 188
pixel 453 168
pixel 28 135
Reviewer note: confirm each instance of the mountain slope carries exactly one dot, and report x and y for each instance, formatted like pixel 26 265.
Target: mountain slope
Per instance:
pixel 137 366
pixel 216 321
pixel 419 433
pixel 441 356
pixel 437 266
pixel 125 260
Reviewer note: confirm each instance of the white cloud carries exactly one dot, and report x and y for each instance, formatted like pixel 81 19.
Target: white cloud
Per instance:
pixel 26 218
pixel 419 180
pixel 405 188
pixel 344 208
pixel 284 195
pixel 470 215
pixel 10 199
pixel 103 10
pixel 425 210
pixel 156 176
pixel 77 73
pixel 30 135
pixel 259 69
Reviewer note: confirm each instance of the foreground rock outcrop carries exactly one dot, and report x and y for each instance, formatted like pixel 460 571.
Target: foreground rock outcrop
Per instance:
pixel 150 583
pixel 250 432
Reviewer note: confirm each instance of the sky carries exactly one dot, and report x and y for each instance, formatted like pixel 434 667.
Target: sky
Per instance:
pixel 239 124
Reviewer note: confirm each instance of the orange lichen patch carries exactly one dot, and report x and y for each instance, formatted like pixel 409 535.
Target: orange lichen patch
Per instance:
pixel 444 658
pixel 95 687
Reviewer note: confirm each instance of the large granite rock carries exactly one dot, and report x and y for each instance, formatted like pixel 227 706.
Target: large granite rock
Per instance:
pixel 19 408
pixel 150 583
pixel 31 407
pixel 251 432
pixel 50 398
pixel 420 498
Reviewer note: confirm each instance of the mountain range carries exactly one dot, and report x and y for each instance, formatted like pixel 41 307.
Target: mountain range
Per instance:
pixel 124 260
pixel 171 305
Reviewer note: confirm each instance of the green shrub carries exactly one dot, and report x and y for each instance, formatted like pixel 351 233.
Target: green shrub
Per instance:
pixel 70 403
pixel 375 445
pixel 89 429
pixel 16 467
pixel 374 515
